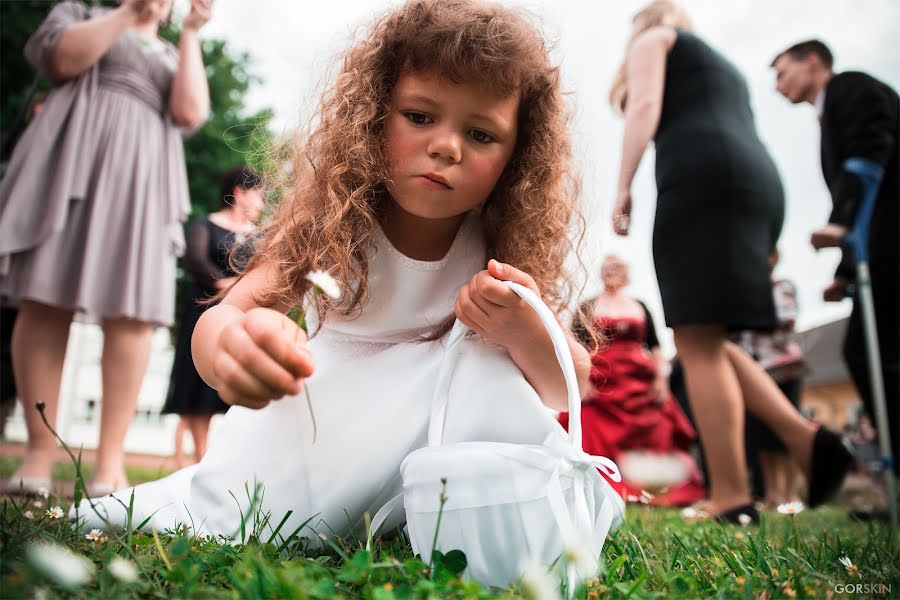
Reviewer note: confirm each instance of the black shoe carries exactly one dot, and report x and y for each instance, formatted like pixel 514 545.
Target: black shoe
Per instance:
pixel 878 514
pixel 734 515
pixel 829 464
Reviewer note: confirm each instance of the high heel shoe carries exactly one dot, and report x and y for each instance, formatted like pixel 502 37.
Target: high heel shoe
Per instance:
pixel 740 515
pixel 829 464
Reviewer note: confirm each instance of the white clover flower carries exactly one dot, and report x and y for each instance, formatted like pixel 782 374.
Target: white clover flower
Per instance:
pixel 688 512
pixel 124 570
pixel 790 508
pixel 37 504
pixel 848 564
pixel 56 512
pixel 67 569
pixel 325 283
pixel 44 492
pixel 744 519
pixel 538 584
pixel 28 515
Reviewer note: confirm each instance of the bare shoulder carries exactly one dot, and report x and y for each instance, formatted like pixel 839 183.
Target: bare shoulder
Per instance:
pixel 654 40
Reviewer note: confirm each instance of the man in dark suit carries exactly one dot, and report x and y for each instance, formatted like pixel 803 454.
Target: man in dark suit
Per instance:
pixel 860 119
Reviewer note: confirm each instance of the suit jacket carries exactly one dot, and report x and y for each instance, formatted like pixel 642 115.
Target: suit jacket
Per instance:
pixel 861 118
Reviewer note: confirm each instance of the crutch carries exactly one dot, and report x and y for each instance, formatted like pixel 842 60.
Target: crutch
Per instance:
pixel 870 174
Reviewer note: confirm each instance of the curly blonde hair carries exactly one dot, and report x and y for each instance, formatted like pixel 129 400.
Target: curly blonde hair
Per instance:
pixel 328 211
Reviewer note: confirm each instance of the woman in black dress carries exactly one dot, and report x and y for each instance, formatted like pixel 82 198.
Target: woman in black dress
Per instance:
pixel 210 241
pixel 719 212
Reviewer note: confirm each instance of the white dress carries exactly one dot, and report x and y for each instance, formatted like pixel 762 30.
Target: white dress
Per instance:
pixel 371 394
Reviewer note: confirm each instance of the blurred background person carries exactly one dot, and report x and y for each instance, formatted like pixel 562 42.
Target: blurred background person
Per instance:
pixel 630 415
pixel 208 260
pixel 91 208
pixel 781 356
pixel 719 212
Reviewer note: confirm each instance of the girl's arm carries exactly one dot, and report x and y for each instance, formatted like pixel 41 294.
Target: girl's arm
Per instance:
pixel 189 97
pixel 502 317
pixel 250 354
pixel 646 73
pixel 82 44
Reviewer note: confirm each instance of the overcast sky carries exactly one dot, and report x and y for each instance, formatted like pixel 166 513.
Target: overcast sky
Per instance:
pixel 294 44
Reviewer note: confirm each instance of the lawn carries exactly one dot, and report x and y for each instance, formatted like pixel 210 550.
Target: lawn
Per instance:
pixel 655 554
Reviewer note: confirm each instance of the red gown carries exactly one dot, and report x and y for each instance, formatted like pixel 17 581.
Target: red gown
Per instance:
pixel 623 415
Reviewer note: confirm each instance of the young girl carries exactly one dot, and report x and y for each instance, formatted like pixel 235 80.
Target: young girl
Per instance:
pixel 438 168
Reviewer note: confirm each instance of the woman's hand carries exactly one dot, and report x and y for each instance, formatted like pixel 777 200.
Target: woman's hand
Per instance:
pixel 261 357
pixel 486 306
pixel 139 11
pixel 201 11
pixel 621 217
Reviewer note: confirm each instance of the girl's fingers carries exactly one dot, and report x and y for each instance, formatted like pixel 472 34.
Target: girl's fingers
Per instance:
pixel 463 314
pixel 282 340
pixel 239 385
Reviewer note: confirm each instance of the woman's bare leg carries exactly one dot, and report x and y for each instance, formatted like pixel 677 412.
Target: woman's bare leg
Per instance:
pixel 715 396
pixel 126 353
pixel 199 425
pixel 39 340
pixel 766 401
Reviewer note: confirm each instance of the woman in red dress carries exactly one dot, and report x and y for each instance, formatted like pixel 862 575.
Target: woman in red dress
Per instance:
pixel 630 414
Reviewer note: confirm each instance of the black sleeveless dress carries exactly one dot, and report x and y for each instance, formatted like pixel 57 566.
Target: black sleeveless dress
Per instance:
pixel 720 201
pixel 206 259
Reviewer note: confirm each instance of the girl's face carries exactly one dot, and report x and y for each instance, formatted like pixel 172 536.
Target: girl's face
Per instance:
pixel 446 143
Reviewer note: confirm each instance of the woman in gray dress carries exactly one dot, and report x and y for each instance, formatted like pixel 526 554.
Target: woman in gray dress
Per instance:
pixel 91 209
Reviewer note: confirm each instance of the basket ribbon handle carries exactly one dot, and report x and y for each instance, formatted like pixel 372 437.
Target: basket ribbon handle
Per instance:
pixel 563 355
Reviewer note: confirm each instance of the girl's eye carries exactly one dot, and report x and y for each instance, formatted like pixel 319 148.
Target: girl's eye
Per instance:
pixel 417 118
pixel 482 137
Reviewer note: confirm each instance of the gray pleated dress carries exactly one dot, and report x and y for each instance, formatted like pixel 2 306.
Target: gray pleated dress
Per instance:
pixel 93 200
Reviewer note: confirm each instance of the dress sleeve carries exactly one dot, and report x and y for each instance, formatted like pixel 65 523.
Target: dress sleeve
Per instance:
pixel 652 340
pixel 196 257
pixel 40 47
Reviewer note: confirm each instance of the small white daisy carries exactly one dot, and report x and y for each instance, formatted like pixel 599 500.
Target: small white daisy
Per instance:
pixel 325 283
pixel 56 512
pixel 790 508
pixel 28 514
pixel 848 564
pixel 43 492
pixel 96 536
pixel 37 504
pixel 744 519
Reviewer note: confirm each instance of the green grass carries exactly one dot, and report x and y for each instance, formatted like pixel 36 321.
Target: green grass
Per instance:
pixel 655 554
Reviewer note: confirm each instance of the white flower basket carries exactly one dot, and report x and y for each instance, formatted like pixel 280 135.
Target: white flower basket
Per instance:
pixel 510 505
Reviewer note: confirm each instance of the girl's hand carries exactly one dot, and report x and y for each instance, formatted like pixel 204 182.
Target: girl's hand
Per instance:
pixel 621 217
pixel 261 357
pixel 201 11
pixel 497 313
